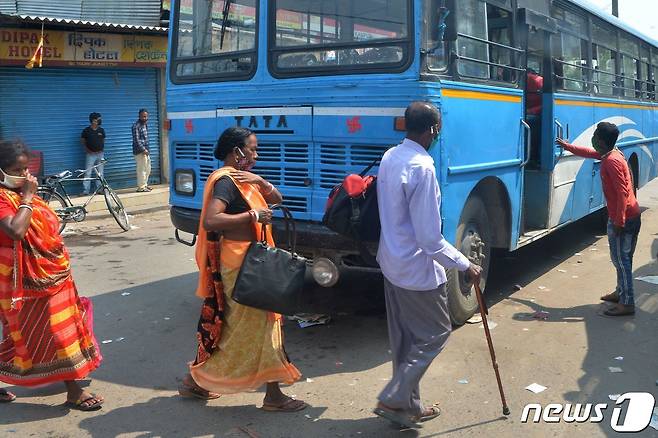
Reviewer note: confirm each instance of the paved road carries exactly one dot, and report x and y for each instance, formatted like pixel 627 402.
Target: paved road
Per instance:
pixel 142 286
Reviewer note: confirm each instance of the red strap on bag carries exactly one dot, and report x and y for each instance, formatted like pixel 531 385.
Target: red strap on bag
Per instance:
pixel 356 185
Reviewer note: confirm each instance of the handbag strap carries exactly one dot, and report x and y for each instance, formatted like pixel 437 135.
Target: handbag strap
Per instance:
pixel 367 169
pixel 291 228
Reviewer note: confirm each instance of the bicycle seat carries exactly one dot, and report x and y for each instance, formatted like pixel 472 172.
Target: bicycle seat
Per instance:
pixel 61 175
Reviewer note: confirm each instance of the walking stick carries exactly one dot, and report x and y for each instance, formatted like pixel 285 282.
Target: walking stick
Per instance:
pixel 483 312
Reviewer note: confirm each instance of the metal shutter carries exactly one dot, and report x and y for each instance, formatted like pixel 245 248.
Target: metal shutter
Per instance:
pixel 48 109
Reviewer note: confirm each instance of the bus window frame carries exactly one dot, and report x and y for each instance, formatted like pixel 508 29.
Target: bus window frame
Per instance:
pixel 212 77
pixel 452 69
pixel 446 46
pixel 584 36
pixel 408 46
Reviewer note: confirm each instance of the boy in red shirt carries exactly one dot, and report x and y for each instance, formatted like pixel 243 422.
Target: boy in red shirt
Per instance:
pixel 623 211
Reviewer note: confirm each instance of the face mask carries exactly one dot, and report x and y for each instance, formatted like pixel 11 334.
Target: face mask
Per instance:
pixel 435 142
pixel 243 163
pixel 13 182
pixel 596 144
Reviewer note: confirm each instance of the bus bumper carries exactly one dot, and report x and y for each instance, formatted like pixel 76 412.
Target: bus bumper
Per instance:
pixel 314 241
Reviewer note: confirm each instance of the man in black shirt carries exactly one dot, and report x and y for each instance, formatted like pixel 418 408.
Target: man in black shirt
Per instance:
pixel 93 140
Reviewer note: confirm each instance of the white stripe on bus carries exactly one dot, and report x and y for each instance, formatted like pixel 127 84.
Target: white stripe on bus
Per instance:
pixel 359 111
pixel 289 111
pixel 192 115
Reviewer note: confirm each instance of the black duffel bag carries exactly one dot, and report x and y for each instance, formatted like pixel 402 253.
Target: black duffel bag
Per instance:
pixel 272 278
pixel 352 211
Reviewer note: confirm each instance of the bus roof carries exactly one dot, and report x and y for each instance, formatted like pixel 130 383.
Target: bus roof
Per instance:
pixel 596 10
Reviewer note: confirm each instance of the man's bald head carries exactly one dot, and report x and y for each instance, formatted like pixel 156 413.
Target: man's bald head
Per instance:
pixel 420 117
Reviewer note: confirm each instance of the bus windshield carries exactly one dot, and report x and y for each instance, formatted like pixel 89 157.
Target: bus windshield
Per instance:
pixel 332 37
pixel 214 39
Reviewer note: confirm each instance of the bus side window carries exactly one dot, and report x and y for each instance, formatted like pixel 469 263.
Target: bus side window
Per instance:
pixel 654 73
pixel 473 22
pixel 499 30
pixel 629 65
pixel 605 58
pixel 483 24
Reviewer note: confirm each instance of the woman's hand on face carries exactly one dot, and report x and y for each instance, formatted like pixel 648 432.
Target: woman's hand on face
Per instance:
pixel 29 188
pixel 265 216
pixel 243 176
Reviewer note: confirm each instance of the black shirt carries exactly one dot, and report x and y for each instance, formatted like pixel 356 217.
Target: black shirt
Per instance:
pixel 226 191
pixel 95 138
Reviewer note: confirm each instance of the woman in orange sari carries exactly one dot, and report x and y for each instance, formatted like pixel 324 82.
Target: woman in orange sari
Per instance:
pixel 240 348
pixel 45 335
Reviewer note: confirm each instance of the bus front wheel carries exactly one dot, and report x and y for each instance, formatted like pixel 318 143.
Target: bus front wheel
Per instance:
pixel 474 241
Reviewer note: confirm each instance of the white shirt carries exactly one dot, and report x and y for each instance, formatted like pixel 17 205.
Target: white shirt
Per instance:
pixel 412 251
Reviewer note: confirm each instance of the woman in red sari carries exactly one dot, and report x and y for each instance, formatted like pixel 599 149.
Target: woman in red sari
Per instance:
pixel 45 335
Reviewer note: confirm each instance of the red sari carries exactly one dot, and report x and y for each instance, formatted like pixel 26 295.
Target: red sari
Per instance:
pixel 46 337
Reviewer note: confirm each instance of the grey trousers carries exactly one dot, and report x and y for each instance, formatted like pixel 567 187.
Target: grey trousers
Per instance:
pixel 418 329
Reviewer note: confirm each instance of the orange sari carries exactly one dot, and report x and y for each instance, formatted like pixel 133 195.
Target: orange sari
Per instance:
pixel 240 348
pixel 46 335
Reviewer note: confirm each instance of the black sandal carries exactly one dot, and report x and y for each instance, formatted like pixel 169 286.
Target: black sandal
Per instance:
pixel 83 405
pixel 616 311
pixel 6 396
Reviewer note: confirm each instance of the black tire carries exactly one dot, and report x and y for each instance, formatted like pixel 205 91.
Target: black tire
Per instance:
pixel 473 226
pixel 55 201
pixel 116 208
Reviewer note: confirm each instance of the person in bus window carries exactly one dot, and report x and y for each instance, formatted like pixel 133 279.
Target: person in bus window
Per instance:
pixel 240 348
pixel 623 210
pixel 413 256
pixel 534 87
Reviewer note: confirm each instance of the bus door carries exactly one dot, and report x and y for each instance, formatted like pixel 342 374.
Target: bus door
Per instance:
pixel 537 121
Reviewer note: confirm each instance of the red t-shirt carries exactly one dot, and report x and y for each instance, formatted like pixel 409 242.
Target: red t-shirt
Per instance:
pixel 617 183
pixel 535 86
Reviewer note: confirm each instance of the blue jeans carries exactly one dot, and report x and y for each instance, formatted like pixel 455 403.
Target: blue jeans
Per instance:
pixel 92 160
pixel 622 247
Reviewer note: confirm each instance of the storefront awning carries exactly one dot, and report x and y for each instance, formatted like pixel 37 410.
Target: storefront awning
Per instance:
pixel 95 25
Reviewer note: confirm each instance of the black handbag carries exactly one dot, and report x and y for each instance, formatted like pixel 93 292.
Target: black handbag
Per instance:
pixel 270 278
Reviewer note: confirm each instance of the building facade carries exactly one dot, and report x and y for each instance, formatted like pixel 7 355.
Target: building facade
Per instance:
pixel 98 56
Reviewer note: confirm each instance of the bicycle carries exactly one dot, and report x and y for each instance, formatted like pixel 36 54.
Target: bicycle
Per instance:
pixel 53 192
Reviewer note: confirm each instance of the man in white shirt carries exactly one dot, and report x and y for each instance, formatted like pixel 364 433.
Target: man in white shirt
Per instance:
pixel 413 256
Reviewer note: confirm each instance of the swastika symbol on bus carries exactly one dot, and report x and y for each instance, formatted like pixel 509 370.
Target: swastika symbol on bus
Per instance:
pixel 189 126
pixel 354 124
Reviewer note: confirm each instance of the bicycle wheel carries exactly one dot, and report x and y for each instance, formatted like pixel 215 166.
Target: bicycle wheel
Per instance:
pixel 116 208
pixel 57 202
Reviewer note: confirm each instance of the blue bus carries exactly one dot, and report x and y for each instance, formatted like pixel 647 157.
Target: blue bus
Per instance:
pixel 324 84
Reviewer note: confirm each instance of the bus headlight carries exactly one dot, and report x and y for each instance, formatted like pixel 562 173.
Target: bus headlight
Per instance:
pixel 325 272
pixel 185 182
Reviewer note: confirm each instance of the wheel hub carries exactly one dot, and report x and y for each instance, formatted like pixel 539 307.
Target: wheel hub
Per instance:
pixel 473 248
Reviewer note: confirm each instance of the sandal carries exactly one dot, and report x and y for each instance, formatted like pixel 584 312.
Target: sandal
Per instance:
pixel 189 391
pixel 290 405
pixel 398 418
pixel 612 297
pixel 6 396
pixel 429 414
pixel 620 311
pixel 83 405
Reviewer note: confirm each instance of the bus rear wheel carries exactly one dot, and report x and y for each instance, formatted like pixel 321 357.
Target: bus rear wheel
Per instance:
pixel 474 241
